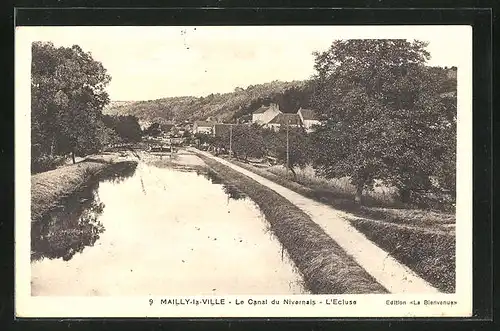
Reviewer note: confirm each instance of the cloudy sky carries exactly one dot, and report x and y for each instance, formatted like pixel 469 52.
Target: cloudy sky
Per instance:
pixel 154 62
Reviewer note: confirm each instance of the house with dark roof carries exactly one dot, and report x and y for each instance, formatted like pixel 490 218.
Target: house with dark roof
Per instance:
pixel 265 114
pixel 283 119
pixel 308 118
pixel 203 127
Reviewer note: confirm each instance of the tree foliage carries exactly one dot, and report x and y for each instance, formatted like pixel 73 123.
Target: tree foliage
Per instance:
pixel 244 140
pixel 248 142
pixel 300 148
pixel 153 130
pixel 384 116
pixel 67 98
pixel 127 128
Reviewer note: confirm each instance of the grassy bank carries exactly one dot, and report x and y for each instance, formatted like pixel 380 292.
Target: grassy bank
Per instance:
pixel 421 239
pixel 49 188
pixel 325 267
pixel 340 187
pixel 431 254
pixel 377 205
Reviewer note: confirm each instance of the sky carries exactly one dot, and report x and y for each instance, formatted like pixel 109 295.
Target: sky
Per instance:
pixel 148 63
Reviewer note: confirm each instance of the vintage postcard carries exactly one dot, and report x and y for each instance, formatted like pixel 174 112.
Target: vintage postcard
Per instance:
pixel 243 171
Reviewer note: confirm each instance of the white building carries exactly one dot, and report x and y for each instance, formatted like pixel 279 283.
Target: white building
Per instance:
pixel 203 127
pixel 284 119
pixel 264 114
pixel 308 119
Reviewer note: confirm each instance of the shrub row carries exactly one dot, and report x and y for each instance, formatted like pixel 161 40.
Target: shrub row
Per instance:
pixel 46 163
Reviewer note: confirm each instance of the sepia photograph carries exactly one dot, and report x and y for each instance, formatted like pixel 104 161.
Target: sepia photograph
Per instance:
pixel 212 170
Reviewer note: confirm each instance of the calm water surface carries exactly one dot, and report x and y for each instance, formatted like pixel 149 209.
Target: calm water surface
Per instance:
pixel 160 230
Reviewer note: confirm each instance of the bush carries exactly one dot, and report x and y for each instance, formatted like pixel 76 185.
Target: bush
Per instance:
pixel 46 162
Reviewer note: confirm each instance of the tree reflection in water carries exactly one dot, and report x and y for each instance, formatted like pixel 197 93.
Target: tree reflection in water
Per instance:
pixel 69 229
pixel 232 191
pixel 212 176
pixel 119 172
pixel 73 226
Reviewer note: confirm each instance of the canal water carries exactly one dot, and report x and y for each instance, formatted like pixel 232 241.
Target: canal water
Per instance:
pixel 164 228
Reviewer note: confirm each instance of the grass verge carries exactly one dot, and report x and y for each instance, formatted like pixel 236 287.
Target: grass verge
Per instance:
pixel 325 266
pixel 341 187
pixel 430 254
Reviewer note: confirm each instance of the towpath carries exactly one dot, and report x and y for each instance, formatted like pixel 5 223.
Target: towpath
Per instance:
pixel 394 276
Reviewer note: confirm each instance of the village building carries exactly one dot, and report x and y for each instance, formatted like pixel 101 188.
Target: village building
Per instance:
pixel 188 127
pixel 284 119
pixel 203 127
pixel 264 114
pixel 308 119
pixel 166 128
pixel 177 141
pixel 144 124
pixel 272 117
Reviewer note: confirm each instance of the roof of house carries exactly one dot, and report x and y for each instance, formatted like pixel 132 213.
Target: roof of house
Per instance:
pixel 204 123
pixel 261 110
pixel 284 118
pixel 308 114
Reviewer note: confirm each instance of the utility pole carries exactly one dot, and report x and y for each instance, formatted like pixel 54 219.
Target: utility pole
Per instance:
pixel 230 140
pixel 287 149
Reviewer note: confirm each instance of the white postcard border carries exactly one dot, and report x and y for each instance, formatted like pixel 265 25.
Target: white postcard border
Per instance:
pixel 372 305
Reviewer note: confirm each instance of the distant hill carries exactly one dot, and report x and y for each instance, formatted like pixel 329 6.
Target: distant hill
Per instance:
pixel 238 104
pixel 114 104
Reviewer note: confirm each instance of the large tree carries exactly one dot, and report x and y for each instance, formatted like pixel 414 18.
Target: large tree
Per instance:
pixel 67 97
pixel 126 127
pixel 247 141
pixel 153 130
pixel 383 114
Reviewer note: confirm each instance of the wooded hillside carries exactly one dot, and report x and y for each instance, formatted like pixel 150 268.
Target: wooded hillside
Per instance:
pixel 238 104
